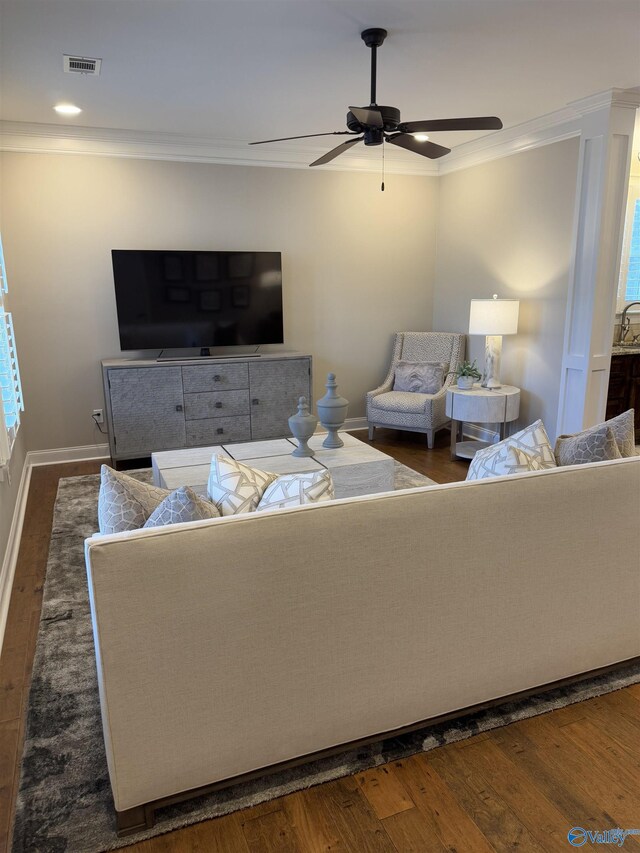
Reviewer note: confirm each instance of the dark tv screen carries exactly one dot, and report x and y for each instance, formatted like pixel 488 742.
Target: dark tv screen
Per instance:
pixel 168 300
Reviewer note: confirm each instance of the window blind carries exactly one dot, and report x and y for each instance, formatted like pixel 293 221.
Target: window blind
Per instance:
pixel 11 402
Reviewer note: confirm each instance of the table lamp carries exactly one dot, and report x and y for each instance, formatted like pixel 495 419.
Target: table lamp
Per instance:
pixel 493 318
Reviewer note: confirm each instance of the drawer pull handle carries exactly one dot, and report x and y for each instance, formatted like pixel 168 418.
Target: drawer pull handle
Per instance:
pixel 218 405
pixel 217 378
pixel 220 430
pixel 255 401
pixel 178 408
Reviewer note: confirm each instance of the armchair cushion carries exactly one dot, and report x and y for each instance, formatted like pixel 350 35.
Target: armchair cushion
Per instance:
pixel 426 377
pixel 407 402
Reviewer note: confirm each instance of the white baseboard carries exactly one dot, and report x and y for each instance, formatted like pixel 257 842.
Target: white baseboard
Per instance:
pixel 8 570
pixel 355 423
pixel 68 454
pixel 33 458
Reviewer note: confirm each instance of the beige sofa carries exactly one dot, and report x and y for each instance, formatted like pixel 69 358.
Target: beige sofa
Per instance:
pixel 231 645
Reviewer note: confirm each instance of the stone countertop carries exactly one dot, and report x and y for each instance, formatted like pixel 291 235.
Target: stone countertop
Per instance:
pixel 618 350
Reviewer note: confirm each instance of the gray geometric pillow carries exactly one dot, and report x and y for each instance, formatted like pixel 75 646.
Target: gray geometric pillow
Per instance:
pixel 593 445
pixel 181 505
pixel 125 503
pixel 423 377
pixel 624 432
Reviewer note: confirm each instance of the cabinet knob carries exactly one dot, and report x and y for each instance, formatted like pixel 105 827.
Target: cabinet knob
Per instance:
pixel 218 405
pixel 255 401
pixel 220 430
pixel 178 408
pixel 217 378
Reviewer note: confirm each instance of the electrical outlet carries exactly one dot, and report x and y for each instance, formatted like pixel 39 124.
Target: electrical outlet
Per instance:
pixel 98 416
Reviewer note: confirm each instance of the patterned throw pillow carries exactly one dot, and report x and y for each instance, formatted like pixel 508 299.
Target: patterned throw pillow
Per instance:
pixel 622 428
pixel 125 503
pixel 181 505
pixel 593 445
pixel 234 487
pixel 521 462
pixel 297 489
pixel 423 377
pixel 533 440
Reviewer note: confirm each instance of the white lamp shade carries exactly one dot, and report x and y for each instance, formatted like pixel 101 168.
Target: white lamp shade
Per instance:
pixel 494 316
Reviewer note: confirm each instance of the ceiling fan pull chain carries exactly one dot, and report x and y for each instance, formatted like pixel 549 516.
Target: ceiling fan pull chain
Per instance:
pixel 382 184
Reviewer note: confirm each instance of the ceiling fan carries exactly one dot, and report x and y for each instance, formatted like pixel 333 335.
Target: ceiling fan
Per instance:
pixel 375 124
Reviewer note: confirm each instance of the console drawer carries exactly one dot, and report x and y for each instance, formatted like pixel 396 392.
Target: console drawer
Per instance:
pixel 216 404
pixel 218 430
pixel 214 377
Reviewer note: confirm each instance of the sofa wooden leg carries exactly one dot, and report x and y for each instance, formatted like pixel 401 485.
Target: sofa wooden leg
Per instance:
pixel 135 820
pixel 372 429
pixel 430 434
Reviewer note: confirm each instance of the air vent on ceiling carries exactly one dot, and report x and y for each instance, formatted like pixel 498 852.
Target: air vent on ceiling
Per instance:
pixel 81 65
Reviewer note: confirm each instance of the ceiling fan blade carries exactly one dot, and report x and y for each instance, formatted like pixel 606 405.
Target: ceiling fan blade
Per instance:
pixel 372 118
pixel 477 123
pixel 335 152
pixel 426 148
pixel 306 136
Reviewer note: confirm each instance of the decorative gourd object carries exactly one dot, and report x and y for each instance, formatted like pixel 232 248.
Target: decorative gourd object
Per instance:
pixel 332 411
pixel 302 426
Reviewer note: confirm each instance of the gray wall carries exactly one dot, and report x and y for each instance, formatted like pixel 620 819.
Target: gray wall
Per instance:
pixel 358 264
pixel 505 227
pixel 8 496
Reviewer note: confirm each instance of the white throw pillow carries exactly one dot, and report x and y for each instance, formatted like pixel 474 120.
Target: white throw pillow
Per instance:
pixel 297 489
pixel 125 503
pixel 181 505
pixel 234 487
pixel 491 461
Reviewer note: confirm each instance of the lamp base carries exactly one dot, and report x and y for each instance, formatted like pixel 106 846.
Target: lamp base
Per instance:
pixel 492 357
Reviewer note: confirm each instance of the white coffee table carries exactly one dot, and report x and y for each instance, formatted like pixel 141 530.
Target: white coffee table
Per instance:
pixel 356 468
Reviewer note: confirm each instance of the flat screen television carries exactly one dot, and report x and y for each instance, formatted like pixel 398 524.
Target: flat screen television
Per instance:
pixel 174 300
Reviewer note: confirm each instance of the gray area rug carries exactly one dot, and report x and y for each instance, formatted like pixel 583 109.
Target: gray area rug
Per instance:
pixel 64 801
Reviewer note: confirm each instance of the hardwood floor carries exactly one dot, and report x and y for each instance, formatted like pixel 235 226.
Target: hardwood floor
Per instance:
pixel 521 787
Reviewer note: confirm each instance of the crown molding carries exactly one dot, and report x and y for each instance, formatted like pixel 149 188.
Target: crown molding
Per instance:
pixel 553 127
pixel 627 98
pixel 107 142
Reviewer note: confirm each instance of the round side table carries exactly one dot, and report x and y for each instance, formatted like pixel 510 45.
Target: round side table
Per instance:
pixel 479 406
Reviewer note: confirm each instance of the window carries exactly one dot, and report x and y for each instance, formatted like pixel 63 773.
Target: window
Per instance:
pixel 629 285
pixel 10 389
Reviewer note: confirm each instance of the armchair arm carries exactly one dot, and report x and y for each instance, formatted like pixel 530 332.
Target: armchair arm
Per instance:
pixel 387 384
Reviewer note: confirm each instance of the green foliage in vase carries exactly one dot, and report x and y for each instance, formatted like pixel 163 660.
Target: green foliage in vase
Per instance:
pixel 467 368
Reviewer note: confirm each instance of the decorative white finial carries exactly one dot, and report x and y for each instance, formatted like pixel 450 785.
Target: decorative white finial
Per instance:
pixel 495 295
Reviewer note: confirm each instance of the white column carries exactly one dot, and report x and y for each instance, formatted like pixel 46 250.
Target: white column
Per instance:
pixel 603 173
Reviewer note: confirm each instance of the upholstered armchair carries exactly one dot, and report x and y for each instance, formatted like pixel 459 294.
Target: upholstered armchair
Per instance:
pixel 412 410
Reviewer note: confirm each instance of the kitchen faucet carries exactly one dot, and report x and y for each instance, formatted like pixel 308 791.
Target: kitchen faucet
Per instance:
pixel 625 322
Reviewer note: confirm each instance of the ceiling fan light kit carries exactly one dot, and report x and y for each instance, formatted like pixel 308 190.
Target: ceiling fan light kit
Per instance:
pixel 375 124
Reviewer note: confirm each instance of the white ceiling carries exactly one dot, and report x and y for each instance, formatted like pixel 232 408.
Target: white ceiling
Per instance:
pixel 255 69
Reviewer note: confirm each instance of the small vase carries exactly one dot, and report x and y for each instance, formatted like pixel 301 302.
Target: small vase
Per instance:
pixel 465 383
pixel 302 426
pixel 332 411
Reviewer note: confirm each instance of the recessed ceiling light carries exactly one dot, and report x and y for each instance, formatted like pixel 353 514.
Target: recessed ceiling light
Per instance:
pixel 67 109
pixel 420 137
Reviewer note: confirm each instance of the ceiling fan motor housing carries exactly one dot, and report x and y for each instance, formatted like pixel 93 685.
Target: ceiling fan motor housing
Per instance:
pixel 390 117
